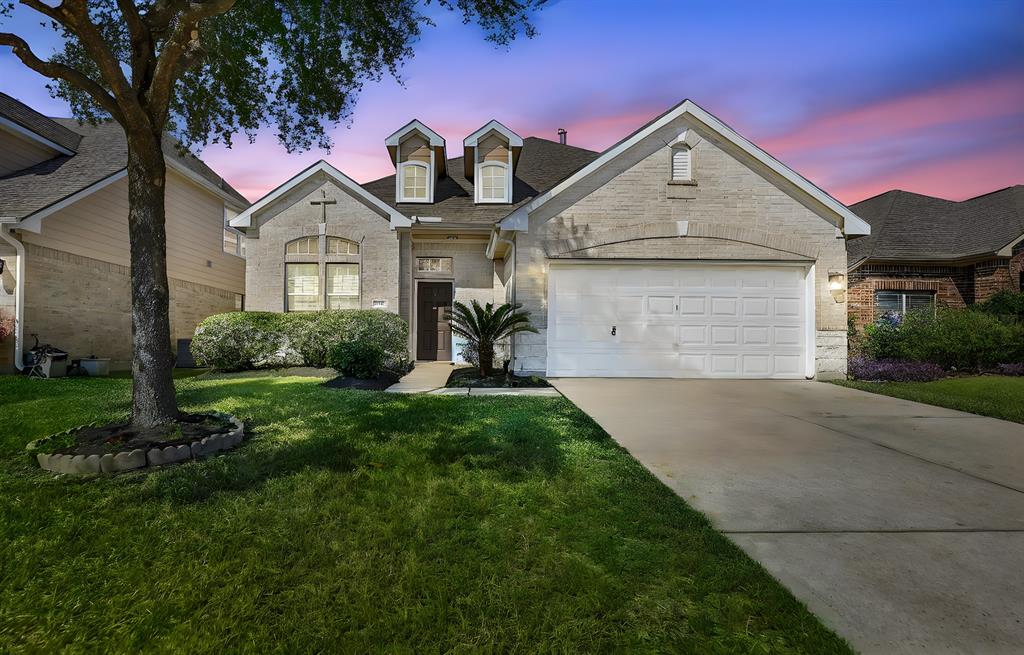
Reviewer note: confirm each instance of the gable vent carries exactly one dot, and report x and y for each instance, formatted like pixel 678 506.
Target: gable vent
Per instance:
pixel 681 169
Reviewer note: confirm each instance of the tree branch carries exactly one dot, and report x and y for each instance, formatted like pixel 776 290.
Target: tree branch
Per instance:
pixel 179 49
pixel 57 71
pixel 44 9
pixel 141 41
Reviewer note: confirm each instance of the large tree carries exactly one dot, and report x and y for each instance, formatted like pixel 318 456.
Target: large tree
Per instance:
pixel 206 70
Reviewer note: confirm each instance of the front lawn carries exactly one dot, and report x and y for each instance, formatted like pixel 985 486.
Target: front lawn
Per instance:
pixel 353 521
pixel 989 395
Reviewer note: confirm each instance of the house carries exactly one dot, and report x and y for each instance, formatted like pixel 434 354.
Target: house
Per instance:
pixel 64 237
pixel 926 251
pixel 684 250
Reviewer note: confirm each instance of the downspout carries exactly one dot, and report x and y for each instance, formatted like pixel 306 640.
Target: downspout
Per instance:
pixel 19 293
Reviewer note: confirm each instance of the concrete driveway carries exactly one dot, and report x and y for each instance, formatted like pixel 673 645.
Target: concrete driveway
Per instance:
pixel 900 524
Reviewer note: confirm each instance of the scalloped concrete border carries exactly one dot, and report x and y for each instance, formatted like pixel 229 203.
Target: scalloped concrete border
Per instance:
pixel 140 458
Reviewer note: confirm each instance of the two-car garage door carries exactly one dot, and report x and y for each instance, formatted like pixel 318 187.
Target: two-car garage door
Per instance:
pixel 677 320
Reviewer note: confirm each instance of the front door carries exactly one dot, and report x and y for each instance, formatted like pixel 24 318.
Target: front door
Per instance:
pixel 434 334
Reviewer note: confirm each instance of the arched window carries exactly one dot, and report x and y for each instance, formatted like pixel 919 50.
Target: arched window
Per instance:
pixel 415 183
pixel 303 246
pixel 339 246
pixel 492 182
pixel 682 165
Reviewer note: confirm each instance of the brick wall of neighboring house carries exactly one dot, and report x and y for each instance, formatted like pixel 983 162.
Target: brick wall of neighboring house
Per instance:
pixel 294 217
pixel 83 305
pixel 733 213
pixel 1017 268
pixel 954 286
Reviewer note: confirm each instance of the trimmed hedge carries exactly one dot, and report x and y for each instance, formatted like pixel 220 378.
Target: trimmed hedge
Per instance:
pixel 964 339
pixel 239 341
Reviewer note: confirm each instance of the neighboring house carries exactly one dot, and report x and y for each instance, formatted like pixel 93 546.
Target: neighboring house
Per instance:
pixel 681 251
pixel 926 251
pixel 64 237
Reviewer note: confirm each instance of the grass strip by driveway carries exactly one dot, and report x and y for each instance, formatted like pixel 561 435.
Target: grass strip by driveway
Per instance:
pixel 354 521
pixel 998 396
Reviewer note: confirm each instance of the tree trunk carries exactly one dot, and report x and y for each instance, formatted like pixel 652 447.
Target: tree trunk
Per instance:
pixel 153 399
pixel 485 351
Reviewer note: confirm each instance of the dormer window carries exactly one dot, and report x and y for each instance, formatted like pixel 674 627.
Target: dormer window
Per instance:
pixel 414 183
pixel 492 182
pixel 492 153
pixel 418 154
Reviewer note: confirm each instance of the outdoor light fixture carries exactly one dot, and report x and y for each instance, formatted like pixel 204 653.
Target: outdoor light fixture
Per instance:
pixel 837 285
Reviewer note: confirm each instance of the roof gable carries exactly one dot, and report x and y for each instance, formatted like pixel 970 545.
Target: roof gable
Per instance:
pixel 395 217
pixel 19 117
pixel 745 151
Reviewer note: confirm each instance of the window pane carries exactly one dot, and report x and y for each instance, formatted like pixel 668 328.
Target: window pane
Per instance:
pixel 303 287
pixel 230 242
pixel 338 246
pixel 492 183
pixel 920 301
pixel 888 301
pixel 303 246
pixel 343 286
pixel 434 264
pixel 414 182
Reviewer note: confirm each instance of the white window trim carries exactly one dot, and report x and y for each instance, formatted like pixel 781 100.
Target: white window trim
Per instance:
pixel 479 187
pixel 399 179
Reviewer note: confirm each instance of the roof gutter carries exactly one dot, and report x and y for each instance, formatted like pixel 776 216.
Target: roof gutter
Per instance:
pixel 19 293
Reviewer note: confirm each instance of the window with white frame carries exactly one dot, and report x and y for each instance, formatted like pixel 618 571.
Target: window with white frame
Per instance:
pixel 434 264
pixel 682 165
pixel 232 242
pixel 901 302
pixel 339 246
pixel 303 246
pixel 342 286
pixel 303 287
pixel 415 183
pixel 492 182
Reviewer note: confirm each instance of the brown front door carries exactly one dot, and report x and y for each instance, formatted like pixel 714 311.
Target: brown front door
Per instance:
pixel 434 334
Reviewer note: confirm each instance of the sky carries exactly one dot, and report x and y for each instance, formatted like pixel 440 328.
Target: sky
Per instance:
pixel 859 97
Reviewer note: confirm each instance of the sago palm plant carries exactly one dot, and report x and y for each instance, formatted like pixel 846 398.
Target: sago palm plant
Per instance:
pixel 483 326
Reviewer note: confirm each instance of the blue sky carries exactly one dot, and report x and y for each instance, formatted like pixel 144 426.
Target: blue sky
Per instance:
pixel 859 97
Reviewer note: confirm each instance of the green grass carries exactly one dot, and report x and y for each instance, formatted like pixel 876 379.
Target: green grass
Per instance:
pixel 353 521
pixel 989 395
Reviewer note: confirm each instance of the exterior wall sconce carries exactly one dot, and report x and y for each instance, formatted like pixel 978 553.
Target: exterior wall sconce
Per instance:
pixel 837 285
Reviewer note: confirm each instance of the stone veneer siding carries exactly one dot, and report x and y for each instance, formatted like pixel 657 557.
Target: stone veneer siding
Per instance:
pixel 746 216
pixel 293 217
pixel 83 305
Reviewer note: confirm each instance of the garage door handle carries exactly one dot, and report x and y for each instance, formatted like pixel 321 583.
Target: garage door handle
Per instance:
pixel 613 330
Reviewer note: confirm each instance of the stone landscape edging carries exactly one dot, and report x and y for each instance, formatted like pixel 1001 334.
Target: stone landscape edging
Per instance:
pixel 138 458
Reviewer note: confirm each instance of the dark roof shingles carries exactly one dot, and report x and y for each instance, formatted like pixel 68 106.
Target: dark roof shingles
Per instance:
pixel 542 165
pixel 101 153
pixel 32 120
pixel 913 227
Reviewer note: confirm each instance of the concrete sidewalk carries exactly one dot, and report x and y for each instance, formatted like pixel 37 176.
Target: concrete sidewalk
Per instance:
pixel 900 524
pixel 424 377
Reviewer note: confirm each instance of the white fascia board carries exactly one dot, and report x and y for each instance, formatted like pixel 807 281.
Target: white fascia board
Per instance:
pixel 852 224
pixel 1007 250
pixel 396 218
pixel 29 134
pixel 514 140
pixel 206 184
pixel 33 222
pixel 435 139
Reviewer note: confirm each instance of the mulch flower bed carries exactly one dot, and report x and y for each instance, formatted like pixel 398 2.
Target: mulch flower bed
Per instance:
pixel 121 447
pixel 379 383
pixel 470 377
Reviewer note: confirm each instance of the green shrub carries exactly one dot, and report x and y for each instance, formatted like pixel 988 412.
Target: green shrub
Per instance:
pixel 245 340
pixel 951 338
pixel 357 359
pixel 1004 303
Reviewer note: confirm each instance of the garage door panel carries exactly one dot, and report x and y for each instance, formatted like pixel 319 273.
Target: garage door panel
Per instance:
pixel 677 321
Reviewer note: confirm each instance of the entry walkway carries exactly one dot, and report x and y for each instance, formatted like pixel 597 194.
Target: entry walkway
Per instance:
pixel 423 378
